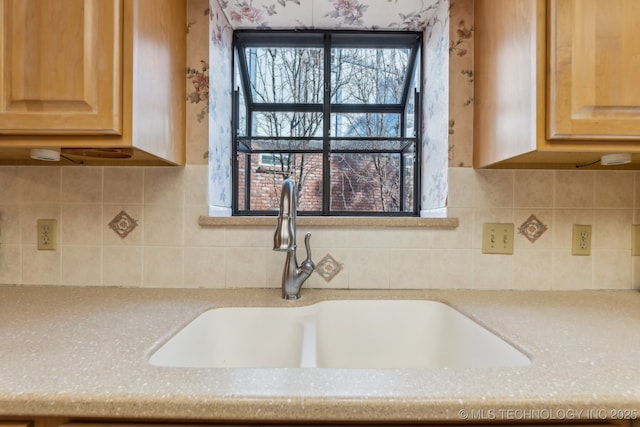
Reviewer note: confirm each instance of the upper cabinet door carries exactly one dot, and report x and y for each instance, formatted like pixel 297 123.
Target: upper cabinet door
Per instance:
pixel 594 59
pixel 60 67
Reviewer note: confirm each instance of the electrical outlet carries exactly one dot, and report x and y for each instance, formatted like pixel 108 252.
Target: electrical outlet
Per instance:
pixel 497 238
pixel 581 240
pixel 635 240
pixel 47 234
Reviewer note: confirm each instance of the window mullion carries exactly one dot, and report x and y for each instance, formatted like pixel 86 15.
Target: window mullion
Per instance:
pixel 326 124
pixel 244 73
pixel 417 169
pixel 234 149
pixel 411 65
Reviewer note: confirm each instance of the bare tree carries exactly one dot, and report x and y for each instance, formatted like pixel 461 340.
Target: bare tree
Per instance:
pixel 361 181
pixel 371 77
pixel 288 76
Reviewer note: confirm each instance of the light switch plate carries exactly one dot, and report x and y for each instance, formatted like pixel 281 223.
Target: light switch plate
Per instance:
pixel 497 238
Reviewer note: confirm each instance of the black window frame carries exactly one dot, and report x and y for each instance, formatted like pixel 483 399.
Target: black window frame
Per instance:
pixel 329 39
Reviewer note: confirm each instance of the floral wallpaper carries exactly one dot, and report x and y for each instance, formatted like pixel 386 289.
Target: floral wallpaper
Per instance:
pixel 411 15
pixel 199 78
pixel 220 56
pixel 430 16
pixel 461 84
pixel 435 113
pixel 197 81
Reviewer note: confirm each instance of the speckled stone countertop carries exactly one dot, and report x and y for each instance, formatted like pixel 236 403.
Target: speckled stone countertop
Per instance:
pixel 82 352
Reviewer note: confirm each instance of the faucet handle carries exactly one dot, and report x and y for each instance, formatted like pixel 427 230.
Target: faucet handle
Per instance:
pixel 308 263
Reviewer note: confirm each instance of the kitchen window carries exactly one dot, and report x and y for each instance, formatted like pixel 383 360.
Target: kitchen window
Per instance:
pixel 336 111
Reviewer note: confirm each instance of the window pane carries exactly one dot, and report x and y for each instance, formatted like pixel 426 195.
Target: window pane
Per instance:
pixel 271 160
pixel 367 103
pixel 409 179
pixel 274 123
pixel 366 124
pixel 265 174
pixel 410 108
pixel 368 76
pixel 367 182
pixel 285 75
pixel 241 107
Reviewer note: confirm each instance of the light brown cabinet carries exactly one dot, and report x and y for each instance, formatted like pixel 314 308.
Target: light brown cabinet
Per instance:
pixel 594 64
pixel 104 80
pixel 4 423
pixel 61 66
pixel 555 82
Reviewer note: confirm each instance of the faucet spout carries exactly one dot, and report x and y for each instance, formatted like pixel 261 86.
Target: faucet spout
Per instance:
pixel 284 239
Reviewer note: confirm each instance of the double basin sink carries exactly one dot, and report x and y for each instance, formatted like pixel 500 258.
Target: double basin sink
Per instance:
pixel 354 334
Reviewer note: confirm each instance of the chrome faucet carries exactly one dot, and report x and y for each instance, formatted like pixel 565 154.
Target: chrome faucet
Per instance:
pixel 284 239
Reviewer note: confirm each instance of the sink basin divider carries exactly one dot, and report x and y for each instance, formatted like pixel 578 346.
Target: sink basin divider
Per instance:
pixel 308 351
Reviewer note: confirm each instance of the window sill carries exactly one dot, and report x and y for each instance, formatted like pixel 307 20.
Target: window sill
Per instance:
pixel 335 221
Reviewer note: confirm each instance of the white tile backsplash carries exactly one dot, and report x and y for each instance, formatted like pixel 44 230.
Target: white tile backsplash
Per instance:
pixel 39 267
pixel 573 189
pixel 123 185
pixel 11 185
pixel 163 267
pixel 533 189
pixel 494 189
pixel 163 225
pixel 409 268
pixel 371 268
pixel 572 272
pixel 204 266
pixel 122 266
pixel 169 249
pixel 611 269
pixel 613 190
pixel 81 185
pixel 80 224
pixel 10 229
pixel 82 266
pixel 245 267
pixel 39 184
pixel 532 269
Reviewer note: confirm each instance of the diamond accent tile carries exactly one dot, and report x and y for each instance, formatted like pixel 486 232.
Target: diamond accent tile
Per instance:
pixel 532 228
pixel 123 224
pixel 328 267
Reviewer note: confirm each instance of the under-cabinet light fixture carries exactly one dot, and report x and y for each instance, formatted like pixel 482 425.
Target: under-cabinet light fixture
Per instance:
pixel 615 159
pixel 45 154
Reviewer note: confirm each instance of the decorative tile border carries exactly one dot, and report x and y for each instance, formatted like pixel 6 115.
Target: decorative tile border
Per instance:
pixel 328 267
pixel 532 228
pixel 123 224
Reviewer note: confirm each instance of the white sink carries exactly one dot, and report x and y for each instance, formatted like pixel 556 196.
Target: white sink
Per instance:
pixel 338 334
